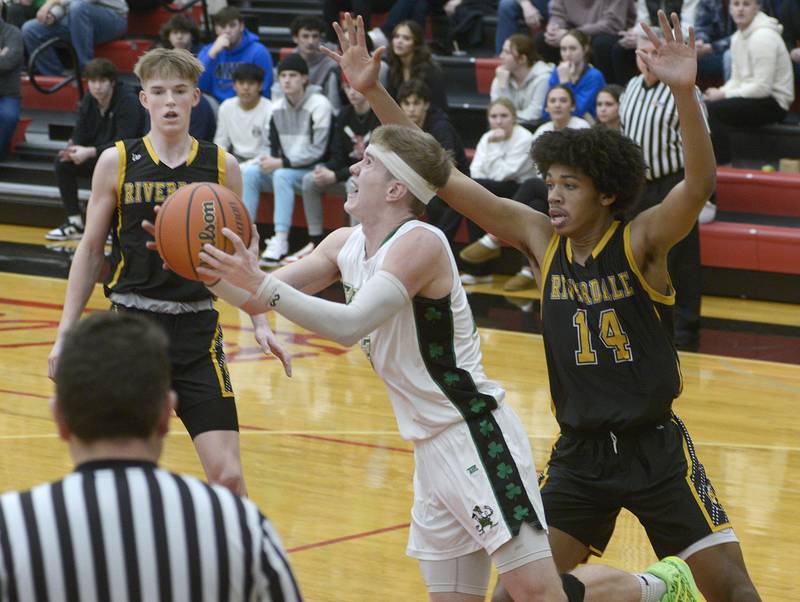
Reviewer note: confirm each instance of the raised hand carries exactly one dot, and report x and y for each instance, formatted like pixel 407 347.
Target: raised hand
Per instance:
pixel 674 62
pixel 360 69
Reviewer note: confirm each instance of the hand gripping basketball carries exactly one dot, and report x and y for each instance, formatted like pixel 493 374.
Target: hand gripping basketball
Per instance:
pixel 240 268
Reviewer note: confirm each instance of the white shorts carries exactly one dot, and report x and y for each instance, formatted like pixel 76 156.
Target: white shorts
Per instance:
pixel 474 485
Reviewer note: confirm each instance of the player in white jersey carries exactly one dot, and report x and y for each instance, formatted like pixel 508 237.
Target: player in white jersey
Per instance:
pixel 476 499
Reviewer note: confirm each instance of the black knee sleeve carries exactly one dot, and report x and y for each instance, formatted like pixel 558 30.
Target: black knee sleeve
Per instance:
pixel 573 587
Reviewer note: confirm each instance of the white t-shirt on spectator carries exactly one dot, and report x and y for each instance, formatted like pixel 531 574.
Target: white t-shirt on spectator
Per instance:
pixel 244 133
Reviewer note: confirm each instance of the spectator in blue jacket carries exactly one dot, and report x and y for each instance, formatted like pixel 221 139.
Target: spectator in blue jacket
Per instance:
pixel 575 72
pixel 234 45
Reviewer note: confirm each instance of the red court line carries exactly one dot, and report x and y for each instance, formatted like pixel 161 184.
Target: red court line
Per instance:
pixel 248 427
pixel 328 542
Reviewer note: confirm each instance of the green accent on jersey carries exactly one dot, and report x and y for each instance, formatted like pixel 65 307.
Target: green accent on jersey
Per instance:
pixel 436 338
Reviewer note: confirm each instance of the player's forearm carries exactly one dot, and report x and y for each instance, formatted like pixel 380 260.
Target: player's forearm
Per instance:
pixel 698 154
pixel 80 285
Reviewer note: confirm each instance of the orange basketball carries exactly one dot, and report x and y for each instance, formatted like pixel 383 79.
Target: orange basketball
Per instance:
pixel 194 215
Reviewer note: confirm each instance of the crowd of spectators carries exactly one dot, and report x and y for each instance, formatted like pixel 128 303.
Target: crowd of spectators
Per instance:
pixel 562 63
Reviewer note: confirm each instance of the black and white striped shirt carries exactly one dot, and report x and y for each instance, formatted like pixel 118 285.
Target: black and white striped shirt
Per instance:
pixel 650 118
pixel 129 531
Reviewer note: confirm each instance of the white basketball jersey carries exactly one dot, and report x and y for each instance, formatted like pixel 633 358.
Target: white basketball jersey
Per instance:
pixel 428 353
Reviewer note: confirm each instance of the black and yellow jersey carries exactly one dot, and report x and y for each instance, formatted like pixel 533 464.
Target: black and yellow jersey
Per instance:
pixel 144 182
pixel 608 337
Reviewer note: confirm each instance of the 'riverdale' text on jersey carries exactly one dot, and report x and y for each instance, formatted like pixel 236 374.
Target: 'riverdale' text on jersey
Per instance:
pixel 608 338
pixel 144 182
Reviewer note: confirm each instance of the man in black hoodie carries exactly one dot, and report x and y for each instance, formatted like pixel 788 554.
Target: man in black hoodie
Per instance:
pixel 110 112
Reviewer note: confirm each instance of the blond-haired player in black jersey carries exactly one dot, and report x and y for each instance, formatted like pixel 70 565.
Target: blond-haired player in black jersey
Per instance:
pixel 606 298
pixel 130 181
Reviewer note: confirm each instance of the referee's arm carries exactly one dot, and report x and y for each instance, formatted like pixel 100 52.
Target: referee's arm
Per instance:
pixel 277 582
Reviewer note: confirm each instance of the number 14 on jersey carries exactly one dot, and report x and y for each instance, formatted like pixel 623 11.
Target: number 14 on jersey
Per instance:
pixel 611 334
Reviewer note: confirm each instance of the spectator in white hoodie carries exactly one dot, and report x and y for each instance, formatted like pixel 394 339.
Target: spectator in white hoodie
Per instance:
pixel 522 78
pixel 761 87
pixel 299 131
pixel 243 121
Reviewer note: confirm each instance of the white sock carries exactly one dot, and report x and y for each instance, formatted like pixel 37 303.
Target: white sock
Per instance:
pixel 526 271
pixel 653 589
pixel 488 241
pixel 282 235
pixel 76 220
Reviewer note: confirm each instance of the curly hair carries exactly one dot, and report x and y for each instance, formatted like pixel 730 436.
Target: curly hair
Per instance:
pixel 612 161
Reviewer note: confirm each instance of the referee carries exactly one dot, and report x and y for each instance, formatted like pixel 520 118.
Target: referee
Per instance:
pixel 649 117
pixel 120 528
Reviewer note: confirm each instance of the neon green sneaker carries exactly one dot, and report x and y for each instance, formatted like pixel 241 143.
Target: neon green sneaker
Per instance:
pixel 678 576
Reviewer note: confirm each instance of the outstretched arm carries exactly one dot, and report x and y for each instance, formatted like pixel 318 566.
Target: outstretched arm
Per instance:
pixel 513 222
pixel 656 230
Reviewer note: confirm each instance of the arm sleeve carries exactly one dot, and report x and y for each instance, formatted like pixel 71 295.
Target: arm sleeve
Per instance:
pixel 80 133
pixel 381 297
pixel 435 80
pixel 496 91
pixel 202 123
pixel 704 22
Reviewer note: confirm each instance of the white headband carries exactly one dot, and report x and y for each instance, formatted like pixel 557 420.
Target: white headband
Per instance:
pixel 401 170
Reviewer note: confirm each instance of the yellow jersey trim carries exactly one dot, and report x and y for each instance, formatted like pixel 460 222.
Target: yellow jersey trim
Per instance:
pixel 150 150
pixel 606 237
pixel 653 293
pixel 122 163
pixel 193 152
pixel 548 256
pixel 222 166
pixel 217 361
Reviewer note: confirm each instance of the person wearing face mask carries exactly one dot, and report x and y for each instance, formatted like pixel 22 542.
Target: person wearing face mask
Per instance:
pixel 575 73
pixel 522 77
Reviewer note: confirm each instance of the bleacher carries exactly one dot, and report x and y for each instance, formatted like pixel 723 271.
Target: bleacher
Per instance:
pixel 752 249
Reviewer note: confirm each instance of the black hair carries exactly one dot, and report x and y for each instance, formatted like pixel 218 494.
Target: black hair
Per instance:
pixel 310 22
pixel 100 69
pixel 179 23
pixel 248 72
pixel 612 161
pixel 414 87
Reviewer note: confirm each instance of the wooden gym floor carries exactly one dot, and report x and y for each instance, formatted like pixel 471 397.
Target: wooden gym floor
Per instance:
pixel 323 459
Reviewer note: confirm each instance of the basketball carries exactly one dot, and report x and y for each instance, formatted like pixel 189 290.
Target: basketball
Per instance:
pixel 194 215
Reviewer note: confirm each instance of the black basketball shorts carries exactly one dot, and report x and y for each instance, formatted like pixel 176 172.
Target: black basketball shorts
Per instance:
pixel 199 373
pixel 652 472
